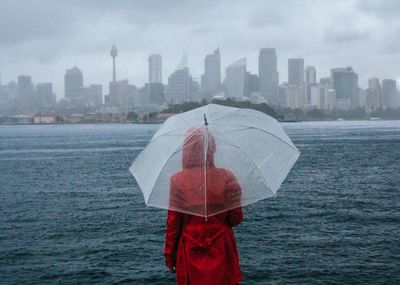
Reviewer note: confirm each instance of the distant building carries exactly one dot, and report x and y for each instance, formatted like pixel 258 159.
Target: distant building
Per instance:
pixel 291 96
pixel 362 98
pixel 345 83
pixel 251 84
pixel 296 80
pixel 25 98
pixel 179 86
pixel 310 75
pixel 330 99
pixel 319 96
pixel 121 95
pixel 8 98
pixel 46 99
pixel 156 93
pixel 390 94
pixel 235 79
pixel 45 119
pixel 93 95
pixel 296 71
pixel 268 75
pixel 73 83
pixel 325 81
pixel 211 79
pixel 155 69
pixel 310 78
pixel 374 94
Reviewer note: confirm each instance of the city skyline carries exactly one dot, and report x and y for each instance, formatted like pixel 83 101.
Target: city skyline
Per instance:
pixel 327 34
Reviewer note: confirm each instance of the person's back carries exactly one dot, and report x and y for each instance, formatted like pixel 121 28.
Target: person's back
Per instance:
pixel 203 250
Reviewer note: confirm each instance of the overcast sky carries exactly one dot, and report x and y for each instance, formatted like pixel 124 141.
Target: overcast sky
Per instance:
pixel 42 38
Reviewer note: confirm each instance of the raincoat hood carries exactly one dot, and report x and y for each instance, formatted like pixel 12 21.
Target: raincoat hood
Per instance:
pixel 194 148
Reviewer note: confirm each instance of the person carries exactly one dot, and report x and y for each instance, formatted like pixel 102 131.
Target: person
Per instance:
pixel 199 242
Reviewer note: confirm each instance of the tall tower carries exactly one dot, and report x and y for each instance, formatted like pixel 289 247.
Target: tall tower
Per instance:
pixel 114 54
pixel 155 69
pixel 235 78
pixel 211 79
pixel 268 75
pixel 73 83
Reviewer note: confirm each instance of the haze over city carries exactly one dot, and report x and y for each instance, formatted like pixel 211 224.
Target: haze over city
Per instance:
pixel 44 38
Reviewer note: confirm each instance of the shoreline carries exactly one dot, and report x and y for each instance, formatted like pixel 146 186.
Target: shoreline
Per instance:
pixel 158 123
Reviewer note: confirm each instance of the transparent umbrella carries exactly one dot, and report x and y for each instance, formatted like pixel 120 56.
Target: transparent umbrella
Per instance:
pixel 205 144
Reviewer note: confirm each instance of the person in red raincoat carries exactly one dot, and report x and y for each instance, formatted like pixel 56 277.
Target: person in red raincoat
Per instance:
pixel 202 250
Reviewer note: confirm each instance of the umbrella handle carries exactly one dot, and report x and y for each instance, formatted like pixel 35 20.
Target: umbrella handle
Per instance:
pixel 205 120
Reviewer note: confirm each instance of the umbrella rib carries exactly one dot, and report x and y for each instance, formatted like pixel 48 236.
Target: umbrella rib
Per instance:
pixel 251 161
pixel 275 136
pixel 169 158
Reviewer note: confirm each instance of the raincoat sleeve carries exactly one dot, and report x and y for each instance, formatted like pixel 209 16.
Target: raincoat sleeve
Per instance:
pixel 173 226
pixel 173 232
pixel 235 217
pixel 233 198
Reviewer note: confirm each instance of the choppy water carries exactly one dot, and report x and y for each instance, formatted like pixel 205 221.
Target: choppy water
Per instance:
pixel 70 212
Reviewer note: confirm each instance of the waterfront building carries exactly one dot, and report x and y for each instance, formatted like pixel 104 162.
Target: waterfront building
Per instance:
pixel 390 94
pixel 318 96
pixel 235 79
pixel 330 99
pixel 268 75
pixel 345 83
pixel 291 96
pixel 362 98
pixel 374 94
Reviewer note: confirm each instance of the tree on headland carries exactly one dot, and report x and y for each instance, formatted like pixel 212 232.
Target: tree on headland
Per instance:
pixel 187 106
pixel 132 116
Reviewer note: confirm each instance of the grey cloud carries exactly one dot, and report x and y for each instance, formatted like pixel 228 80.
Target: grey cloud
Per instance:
pixel 344 36
pixel 381 8
pixel 48 36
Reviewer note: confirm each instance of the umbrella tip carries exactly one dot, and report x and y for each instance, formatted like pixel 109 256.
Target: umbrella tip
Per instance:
pixel 205 120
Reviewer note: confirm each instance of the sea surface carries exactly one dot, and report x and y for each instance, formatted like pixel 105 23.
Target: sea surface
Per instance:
pixel 71 213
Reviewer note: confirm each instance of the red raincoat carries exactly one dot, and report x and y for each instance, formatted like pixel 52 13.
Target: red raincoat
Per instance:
pixel 203 251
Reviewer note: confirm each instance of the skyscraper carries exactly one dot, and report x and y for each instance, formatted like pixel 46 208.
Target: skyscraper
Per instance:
pixel 251 84
pixel 25 93
pixel 179 86
pixel 390 94
pixel 211 79
pixel 155 68
pixel 310 78
pixel 268 75
pixel 235 79
pixel 46 99
pixel 296 79
pixel 73 83
pixel 296 71
pixel 345 83
pixel 94 95
pixel 374 93
pixel 310 75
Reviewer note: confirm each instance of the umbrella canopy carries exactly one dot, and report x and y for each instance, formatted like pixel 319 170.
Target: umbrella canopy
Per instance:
pixel 228 157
